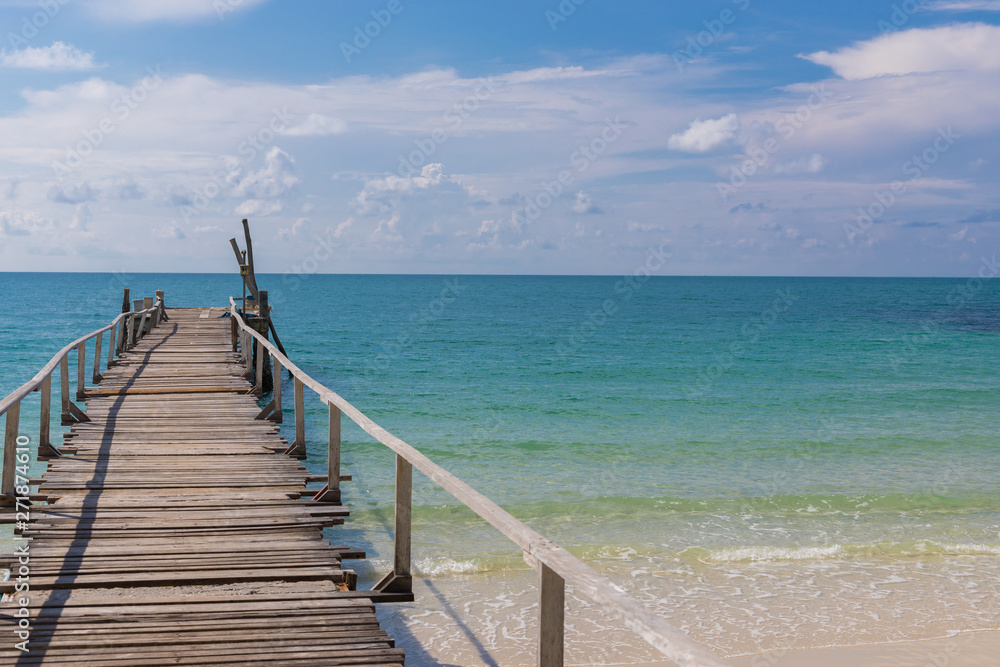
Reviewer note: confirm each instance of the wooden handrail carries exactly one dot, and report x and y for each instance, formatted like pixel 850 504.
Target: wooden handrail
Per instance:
pixel 21 392
pixel 556 566
pixel 11 404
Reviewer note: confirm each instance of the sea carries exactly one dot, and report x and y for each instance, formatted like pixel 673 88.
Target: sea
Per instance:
pixel 768 463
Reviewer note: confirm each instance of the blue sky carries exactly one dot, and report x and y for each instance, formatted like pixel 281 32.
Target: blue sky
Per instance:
pixel 742 137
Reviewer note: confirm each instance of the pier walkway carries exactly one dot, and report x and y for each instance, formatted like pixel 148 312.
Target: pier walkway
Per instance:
pixel 174 526
pixel 174 533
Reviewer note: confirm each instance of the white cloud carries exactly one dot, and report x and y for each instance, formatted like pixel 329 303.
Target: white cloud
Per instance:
pixel 145 11
pixel 275 179
pixel 963 47
pixel 706 135
pixel 316 125
pixel 258 207
pixel 59 56
pixel 81 217
pixel 377 192
pixel 964 6
pixel 807 165
pixel 69 193
pixel 584 204
pixel 21 222
pixel 170 232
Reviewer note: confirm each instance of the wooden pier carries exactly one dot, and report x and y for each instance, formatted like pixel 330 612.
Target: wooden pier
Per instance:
pixel 174 525
pixel 175 534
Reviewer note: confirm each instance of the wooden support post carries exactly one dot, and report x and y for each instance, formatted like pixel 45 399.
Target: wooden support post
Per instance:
pixel 64 386
pixel 246 352
pixel 234 330
pixel 276 416
pixel 81 370
pixel 551 617
pixel 45 449
pixel 124 324
pixel 400 580
pixel 70 413
pixel 10 451
pixel 97 359
pixel 331 492
pixel 136 322
pixel 298 448
pixel 111 346
pixel 258 387
pixel 161 312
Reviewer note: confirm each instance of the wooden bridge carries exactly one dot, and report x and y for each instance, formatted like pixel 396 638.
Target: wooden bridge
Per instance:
pixel 174 525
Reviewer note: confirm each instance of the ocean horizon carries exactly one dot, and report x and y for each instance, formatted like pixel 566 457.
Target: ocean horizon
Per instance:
pixel 768 462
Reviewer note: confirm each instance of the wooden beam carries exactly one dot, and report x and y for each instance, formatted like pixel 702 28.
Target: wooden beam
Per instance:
pixel 551 613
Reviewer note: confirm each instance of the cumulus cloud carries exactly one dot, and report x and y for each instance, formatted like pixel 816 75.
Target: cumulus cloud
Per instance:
pixel 703 136
pixel 81 217
pixel 147 11
pixel 258 207
pixel 21 222
pixel 584 204
pixel 965 46
pixel 69 193
pixel 275 178
pixel 377 193
pixel 59 56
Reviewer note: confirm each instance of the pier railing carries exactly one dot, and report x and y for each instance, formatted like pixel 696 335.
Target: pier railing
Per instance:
pixel 128 328
pixel 556 566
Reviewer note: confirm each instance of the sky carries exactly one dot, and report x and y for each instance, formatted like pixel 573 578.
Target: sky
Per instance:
pixel 734 137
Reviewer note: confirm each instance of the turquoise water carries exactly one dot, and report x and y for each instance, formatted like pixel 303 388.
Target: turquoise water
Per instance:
pixel 710 428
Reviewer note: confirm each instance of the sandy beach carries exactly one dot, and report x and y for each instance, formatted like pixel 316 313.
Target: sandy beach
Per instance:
pixel 973 649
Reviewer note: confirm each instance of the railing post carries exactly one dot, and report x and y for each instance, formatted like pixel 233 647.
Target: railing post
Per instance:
pixel 276 416
pixel 97 358
pixel 64 386
pixel 258 387
pixel 551 617
pixel 136 322
pixel 298 448
pixel 400 580
pixel 332 493
pixel 10 452
pixel 247 355
pixel 81 370
pixel 45 449
pixel 111 345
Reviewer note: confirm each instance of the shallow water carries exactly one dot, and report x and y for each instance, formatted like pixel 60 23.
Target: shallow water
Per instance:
pixel 769 462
